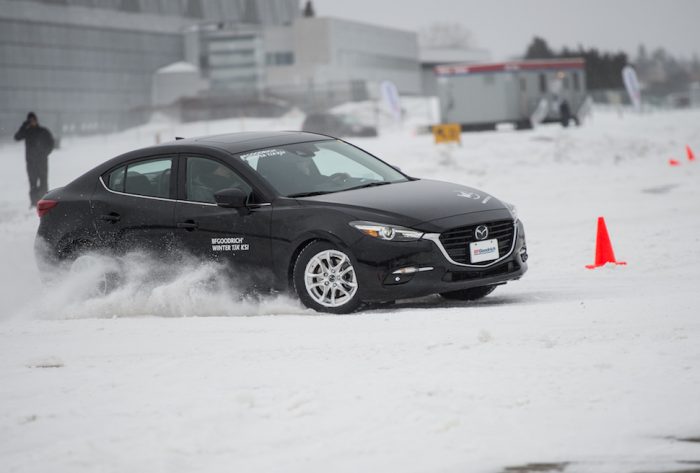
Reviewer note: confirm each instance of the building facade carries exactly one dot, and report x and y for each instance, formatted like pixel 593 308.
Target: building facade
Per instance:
pixel 310 62
pixel 87 65
pixel 92 65
pixel 339 59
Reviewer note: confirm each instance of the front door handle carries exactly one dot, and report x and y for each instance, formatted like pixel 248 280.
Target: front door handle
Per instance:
pixel 189 225
pixel 110 217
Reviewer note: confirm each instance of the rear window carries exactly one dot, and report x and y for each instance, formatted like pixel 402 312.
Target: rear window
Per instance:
pixel 115 179
pixel 147 178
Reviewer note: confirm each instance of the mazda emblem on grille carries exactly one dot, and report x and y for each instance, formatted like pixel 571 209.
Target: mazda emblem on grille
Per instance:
pixel 481 232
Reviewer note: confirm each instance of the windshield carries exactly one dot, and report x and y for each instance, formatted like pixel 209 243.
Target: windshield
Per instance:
pixel 320 167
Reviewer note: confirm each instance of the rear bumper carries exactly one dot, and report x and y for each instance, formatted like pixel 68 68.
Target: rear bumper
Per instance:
pixel 379 262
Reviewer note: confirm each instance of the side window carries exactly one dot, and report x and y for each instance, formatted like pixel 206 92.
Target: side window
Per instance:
pixel 148 178
pixel 205 177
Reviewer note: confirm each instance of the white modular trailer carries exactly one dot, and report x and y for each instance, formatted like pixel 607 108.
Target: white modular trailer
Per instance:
pixel 480 96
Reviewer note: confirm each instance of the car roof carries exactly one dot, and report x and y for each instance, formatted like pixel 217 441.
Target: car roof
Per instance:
pixel 233 143
pixel 236 143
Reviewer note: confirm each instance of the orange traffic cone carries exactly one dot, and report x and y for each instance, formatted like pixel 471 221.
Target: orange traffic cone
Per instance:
pixel 674 162
pixel 689 152
pixel 603 248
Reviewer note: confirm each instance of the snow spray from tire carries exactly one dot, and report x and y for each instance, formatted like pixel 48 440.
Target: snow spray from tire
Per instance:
pixel 138 284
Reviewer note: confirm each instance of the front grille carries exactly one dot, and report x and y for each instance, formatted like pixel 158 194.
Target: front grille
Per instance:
pixel 456 241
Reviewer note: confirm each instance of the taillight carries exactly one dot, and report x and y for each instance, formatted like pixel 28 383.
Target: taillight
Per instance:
pixel 43 206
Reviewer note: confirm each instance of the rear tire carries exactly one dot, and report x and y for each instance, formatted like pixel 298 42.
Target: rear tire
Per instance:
pixel 83 259
pixel 471 294
pixel 104 273
pixel 325 279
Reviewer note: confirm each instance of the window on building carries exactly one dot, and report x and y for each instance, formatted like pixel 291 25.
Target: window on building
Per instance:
pixel 194 9
pixel 131 5
pixel 284 58
pixel 543 83
pixel 577 83
pixel 288 58
pixel 565 81
pixel 523 85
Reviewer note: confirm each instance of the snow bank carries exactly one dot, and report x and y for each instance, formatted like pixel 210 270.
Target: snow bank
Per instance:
pixel 588 370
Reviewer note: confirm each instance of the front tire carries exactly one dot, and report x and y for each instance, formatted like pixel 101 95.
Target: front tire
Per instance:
pixel 325 279
pixel 471 294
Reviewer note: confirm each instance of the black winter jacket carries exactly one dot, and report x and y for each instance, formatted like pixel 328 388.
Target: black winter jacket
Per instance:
pixel 38 141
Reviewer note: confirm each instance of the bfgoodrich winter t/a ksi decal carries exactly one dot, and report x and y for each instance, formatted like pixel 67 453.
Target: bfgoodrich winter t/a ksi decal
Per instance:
pixel 229 244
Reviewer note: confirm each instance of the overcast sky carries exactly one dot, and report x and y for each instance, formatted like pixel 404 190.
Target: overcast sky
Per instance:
pixel 505 27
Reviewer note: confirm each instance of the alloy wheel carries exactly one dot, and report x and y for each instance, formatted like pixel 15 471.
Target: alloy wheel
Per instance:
pixel 330 279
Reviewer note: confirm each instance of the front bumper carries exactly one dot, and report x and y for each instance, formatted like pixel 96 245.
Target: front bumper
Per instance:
pixel 379 264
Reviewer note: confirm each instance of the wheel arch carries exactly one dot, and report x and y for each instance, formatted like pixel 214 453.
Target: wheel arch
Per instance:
pixel 302 243
pixel 70 245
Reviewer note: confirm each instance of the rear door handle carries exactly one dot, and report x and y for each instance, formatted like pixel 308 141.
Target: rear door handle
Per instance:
pixel 188 225
pixel 110 217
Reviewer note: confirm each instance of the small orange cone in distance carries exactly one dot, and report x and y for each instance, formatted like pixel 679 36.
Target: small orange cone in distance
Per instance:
pixel 674 162
pixel 603 248
pixel 689 152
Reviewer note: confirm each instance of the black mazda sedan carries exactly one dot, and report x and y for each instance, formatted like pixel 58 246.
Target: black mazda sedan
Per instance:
pixel 290 210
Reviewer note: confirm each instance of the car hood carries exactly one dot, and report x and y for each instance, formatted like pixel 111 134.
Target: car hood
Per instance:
pixel 411 203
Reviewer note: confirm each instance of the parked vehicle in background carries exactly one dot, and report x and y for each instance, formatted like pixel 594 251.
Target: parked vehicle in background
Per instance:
pixel 334 124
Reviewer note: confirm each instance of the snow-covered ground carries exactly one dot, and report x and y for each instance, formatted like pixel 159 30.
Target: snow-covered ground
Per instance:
pixel 582 370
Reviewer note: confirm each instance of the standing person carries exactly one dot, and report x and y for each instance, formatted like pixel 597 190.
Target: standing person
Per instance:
pixel 564 113
pixel 38 144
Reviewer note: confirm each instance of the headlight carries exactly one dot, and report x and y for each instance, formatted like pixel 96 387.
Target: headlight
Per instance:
pixel 513 210
pixel 387 232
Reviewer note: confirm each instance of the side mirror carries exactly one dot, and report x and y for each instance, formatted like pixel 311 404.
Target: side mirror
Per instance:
pixel 231 198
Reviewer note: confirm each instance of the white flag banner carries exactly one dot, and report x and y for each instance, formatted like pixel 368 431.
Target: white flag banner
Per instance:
pixel 629 77
pixel 540 112
pixel 390 95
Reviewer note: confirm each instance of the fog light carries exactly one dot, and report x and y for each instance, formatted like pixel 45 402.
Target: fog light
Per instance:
pixel 394 279
pixel 413 269
pixel 523 254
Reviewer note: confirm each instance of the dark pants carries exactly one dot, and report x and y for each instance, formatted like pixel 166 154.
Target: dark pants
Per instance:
pixel 38 173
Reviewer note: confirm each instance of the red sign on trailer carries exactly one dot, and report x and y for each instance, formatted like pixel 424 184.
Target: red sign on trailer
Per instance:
pixel 575 63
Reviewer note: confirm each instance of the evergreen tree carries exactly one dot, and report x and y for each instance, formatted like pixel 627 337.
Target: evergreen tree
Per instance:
pixel 538 49
pixel 603 70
